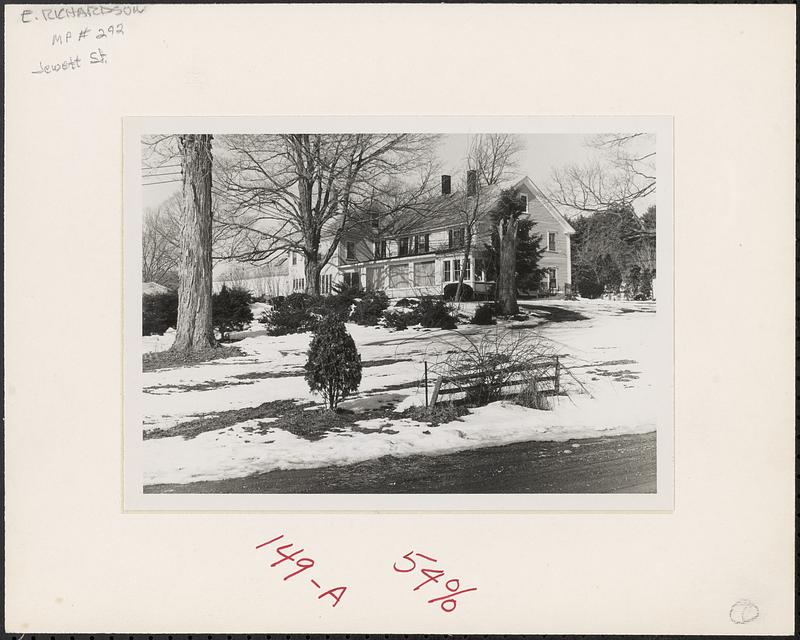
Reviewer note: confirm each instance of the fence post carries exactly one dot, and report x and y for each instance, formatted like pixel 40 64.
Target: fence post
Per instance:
pixel 555 384
pixel 435 393
pixel 426 383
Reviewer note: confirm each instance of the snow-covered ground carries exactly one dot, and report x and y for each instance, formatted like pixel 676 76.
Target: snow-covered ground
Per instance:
pixel 609 358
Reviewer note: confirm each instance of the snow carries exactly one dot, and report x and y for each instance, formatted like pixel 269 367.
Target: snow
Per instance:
pixel 609 357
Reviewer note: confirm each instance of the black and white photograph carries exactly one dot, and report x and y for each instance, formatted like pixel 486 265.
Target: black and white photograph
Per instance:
pixel 417 313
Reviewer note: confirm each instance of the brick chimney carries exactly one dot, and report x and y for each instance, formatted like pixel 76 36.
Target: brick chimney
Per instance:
pixel 472 182
pixel 445 185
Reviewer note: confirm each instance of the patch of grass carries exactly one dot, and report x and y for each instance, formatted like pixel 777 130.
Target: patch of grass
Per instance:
pixel 299 419
pixel 199 386
pixel 176 359
pixel 530 396
pixel 263 375
pixel 383 362
pixel 438 413
pixel 193 428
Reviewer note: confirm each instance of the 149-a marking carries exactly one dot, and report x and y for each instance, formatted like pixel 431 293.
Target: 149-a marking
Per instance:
pixel 303 564
pixel 447 602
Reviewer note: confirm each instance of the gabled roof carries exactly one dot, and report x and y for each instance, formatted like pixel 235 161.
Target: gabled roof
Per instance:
pixel 549 206
pixel 441 212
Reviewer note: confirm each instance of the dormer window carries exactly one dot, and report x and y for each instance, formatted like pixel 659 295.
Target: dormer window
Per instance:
pixel 524 202
pixel 455 238
pixel 403 246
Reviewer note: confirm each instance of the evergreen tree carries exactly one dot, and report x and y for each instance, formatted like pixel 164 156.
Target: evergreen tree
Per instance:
pixel 528 252
pixel 334 364
pixel 230 310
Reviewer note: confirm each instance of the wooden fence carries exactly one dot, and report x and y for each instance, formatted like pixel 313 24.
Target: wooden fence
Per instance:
pixel 543 374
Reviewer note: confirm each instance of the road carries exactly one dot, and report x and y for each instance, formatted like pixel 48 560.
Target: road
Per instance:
pixel 619 464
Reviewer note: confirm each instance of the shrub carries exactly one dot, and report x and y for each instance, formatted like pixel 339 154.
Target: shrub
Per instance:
pixel 587 283
pixel 334 365
pixel 159 313
pixel 397 320
pixel 484 314
pixel 407 302
pixel 277 301
pixel 435 313
pixel 230 310
pixel 467 293
pixel 296 313
pixel 485 366
pixel 341 300
pixel 368 310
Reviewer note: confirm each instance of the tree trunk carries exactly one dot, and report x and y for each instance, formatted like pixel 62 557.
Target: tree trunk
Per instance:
pixel 506 281
pixel 195 331
pixel 464 262
pixel 312 273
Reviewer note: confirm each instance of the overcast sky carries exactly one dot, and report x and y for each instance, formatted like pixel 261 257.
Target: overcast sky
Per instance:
pixel 542 153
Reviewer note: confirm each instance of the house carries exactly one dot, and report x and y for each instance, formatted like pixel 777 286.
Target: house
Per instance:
pixel 425 253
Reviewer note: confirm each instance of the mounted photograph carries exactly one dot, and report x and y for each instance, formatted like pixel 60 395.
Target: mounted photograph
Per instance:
pixel 389 320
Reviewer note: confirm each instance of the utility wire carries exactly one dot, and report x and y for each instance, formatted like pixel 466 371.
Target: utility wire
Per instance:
pixel 150 184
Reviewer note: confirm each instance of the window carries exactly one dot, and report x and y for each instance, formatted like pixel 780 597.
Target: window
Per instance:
pixel 326 284
pixel 424 274
pixel 294 258
pixel 479 275
pixel 373 216
pixel 550 281
pixel 403 246
pixel 456 237
pixel 376 279
pixel 299 284
pixel 350 250
pixel 551 241
pixel 380 249
pixel 398 276
pixel 446 277
pixel 456 270
pixel 525 202
pixel 468 270
pixel 352 279
pixel 422 243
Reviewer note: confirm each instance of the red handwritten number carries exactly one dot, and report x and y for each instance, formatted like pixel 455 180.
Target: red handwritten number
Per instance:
pixel 303 564
pixel 264 544
pixel 433 575
pixel 413 564
pixel 284 557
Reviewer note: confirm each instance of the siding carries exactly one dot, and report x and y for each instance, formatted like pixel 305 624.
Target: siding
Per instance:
pixel 545 223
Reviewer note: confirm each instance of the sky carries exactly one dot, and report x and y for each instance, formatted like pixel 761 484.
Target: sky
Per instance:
pixel 541 154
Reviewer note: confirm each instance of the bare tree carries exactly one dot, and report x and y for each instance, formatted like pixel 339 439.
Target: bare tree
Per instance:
pixel 160 243
pixel 302 192
pixel 195 330
pixel 493 157
pixel 626 173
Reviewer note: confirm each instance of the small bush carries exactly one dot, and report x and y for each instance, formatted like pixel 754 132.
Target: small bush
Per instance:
pixel 230 310
pixel 159 313
pixel 467 293
pixel 334 364
pixel 369 309
pixel 435 313
pixel 397 320
pixel 406 303
pixel 296 313
pixel 484 314
pixel 277 301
